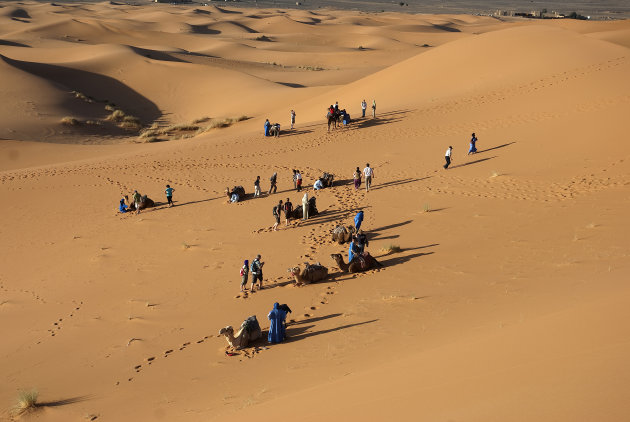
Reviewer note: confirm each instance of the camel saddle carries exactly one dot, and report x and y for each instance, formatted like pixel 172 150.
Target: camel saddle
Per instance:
pixel 362 258
pixel 251 324
pixel 313 267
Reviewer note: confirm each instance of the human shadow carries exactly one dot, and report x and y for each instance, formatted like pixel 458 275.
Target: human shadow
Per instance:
pixel 294 132
pixel 390 226
pixel 300 333
pixel 314 319
pixel 473 162
pixel 497 147
pixel 343 182
pixel 402 259
pixel 327 216
pixel 399 182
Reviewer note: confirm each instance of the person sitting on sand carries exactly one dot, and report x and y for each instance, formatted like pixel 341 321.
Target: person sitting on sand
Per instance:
pixel 318 185
pixel 277 326
pixel 122 207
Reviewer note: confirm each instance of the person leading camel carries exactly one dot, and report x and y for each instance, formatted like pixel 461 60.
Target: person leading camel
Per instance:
pixel 277 325
pixel 358 219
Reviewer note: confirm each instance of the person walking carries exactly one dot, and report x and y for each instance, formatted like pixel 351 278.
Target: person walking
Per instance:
pixel 169 195
pixel 292 119
pixel 257 187
pixel 363 107
pixel 448 157
pixel 374 109
pixel 256 270
pixel 358 219
pixel 357 179
pixel 298 180
pixel 244 275
pixel 137 200
pixel 273 181
pixel 277 210
pixel 288 209
pixel 473 145
pixel 305 206
pixel 368 173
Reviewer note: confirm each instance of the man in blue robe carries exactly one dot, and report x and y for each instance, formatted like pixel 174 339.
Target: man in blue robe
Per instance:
pixel 277 328
pixel 358 219
pixel 267 127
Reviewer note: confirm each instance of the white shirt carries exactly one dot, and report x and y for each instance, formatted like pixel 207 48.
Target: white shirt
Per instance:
pixel 305 199
pixel 363 105
pixel 367 172
pixel 448 153
pixel 298 176
pixel 317 185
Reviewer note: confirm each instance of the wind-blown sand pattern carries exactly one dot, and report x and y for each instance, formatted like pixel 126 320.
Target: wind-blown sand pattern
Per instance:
pixel 507 301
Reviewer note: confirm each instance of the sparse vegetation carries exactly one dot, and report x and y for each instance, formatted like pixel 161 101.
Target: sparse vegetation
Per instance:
pixel 427 208
pixel 494 173
pixel 26 402
pixel 151 134
pixel 185 245
pixel 391 249
pixel 110 107
pixel 117 115
pixel 313 68
pixel 82 96
pixel 70 121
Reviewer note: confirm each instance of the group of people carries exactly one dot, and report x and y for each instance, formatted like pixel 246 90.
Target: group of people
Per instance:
pixel 472 149
pixel 138 200
pixel 367 174
pixel 364 107
pixel 287 209
pixel 257 275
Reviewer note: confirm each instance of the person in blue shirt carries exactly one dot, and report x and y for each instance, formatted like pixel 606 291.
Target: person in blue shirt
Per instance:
pixel 169 195
pixel 277 327
pixel 358 219
pixel 473 146
pixel 267 127
pixel 122 207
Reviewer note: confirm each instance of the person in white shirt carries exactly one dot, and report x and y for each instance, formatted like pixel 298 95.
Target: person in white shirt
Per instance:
pixel 363 107
pixel 447 157
pixel 305 206
pixel 368 173
pixel 318 184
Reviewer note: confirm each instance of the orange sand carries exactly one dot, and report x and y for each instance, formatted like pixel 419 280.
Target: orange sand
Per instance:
pixel 508 301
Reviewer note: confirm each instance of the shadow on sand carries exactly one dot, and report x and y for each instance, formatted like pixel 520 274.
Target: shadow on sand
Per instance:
pixel 300 333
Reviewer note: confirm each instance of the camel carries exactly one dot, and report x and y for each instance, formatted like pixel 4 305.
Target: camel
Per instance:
pixel 145 202
pixel 327 180
pixel 342 234
pixel 312 209
pixel 274 130
pixel 334 119
pixel 238 190
pixel 360 263
pixel 249 331
pixel 310 274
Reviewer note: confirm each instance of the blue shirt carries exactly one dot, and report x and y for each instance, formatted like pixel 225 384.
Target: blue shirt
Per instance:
pixel 169 191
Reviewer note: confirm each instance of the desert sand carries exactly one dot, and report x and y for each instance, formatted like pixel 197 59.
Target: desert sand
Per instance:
pixel 508 299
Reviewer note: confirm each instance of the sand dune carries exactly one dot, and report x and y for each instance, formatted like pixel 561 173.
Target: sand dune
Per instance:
pixel 506 299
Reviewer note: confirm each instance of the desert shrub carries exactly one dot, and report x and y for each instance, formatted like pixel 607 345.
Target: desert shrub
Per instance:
pixel 117 115
pixel 26 402
pixel 110 107
pixel 70 121
pixel 391 249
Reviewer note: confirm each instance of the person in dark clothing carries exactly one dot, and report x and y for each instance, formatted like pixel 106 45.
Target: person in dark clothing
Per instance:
pixel 288 209
pixel 447 157
pixel 277 210
pixel 273 181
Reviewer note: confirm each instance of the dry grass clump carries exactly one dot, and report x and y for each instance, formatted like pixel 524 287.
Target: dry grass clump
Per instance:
pixel 154 131
pixel 70 121
pixel 110 107
pixel 117 115
pixel 391 249
pixel 82 96
pixel 26 402
pixel 94 123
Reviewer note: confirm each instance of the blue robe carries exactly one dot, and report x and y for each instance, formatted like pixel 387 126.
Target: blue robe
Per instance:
pixel 358 219
pixel 351 252
pixel 267 127
pixel 276 329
